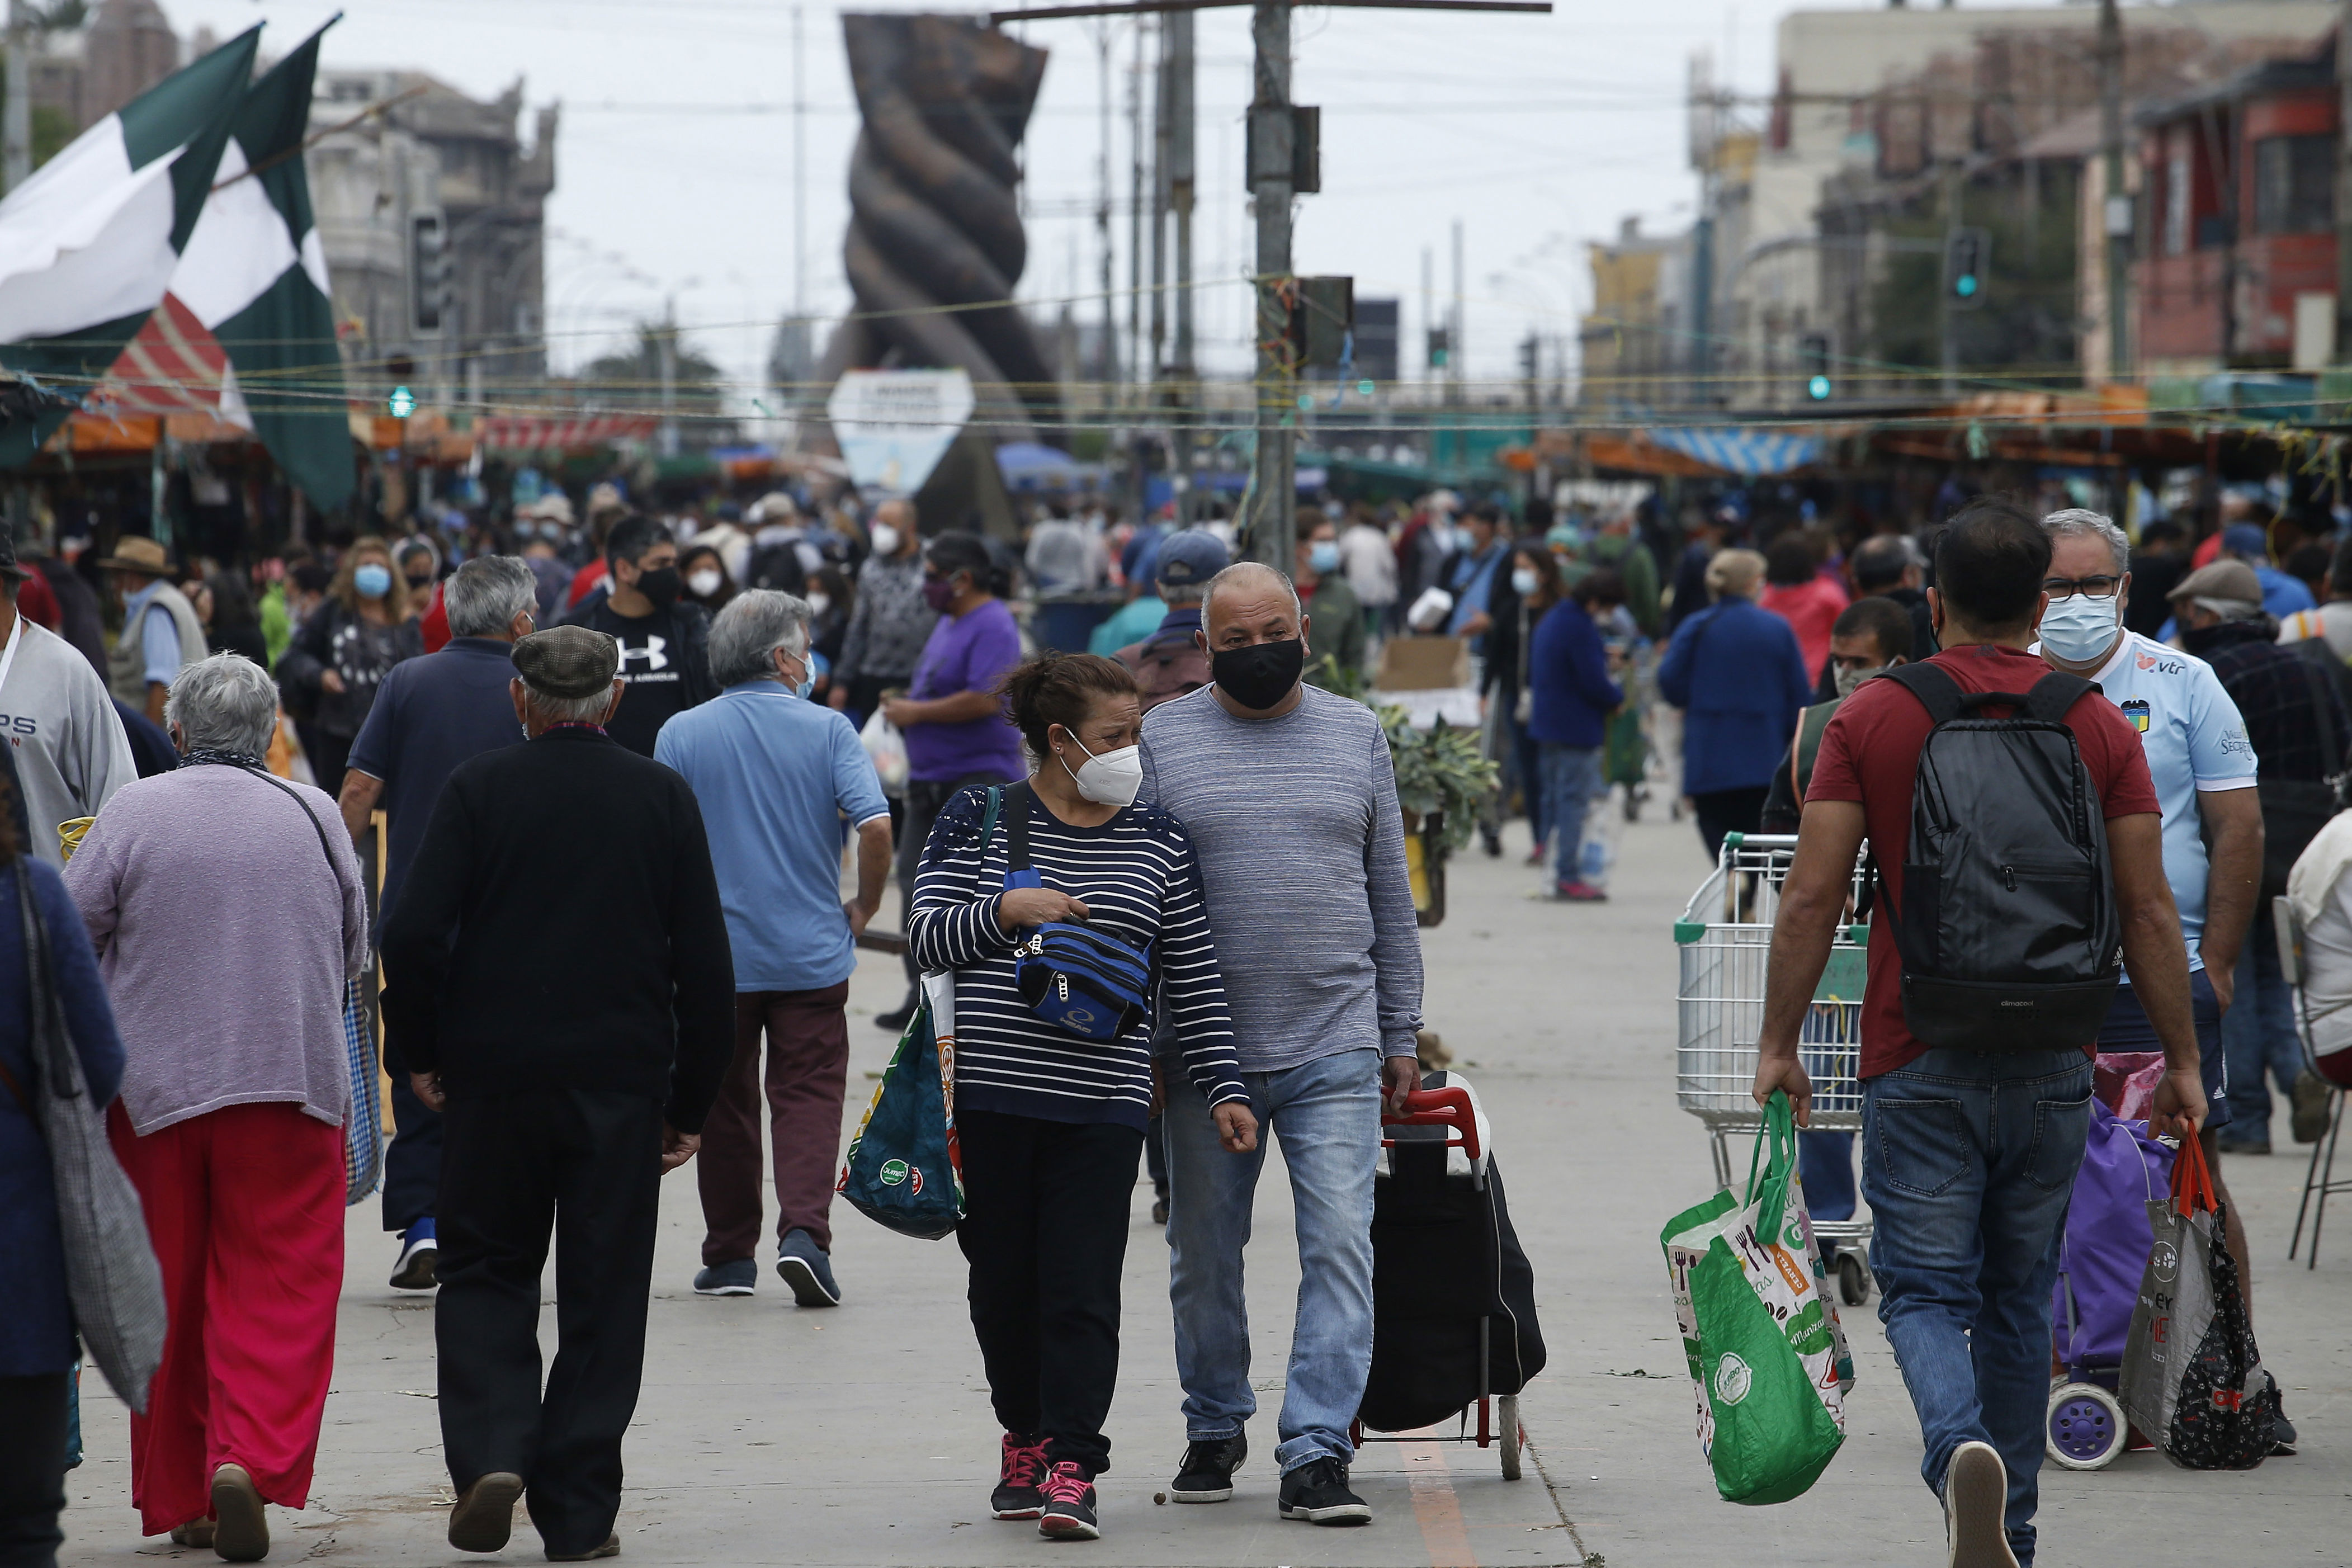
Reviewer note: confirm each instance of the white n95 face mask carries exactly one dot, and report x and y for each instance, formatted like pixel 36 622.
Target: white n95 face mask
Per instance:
pixel 1112 779
pixel 884 539
pixel 2079 628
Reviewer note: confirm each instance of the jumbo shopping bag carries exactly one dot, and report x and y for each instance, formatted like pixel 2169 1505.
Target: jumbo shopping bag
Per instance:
pixel 903 1171
pixel 2192 1379
pixel 1768 1357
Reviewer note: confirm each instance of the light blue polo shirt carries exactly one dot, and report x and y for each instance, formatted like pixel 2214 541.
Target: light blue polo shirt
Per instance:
pixel 2195 740
pixel 777 778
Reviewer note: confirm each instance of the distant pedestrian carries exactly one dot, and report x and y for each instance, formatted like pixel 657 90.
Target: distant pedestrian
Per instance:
pixel 1884 566
pixel 707 581
pixel 1969 1152
pixel 1797 592
pixel 69 748
pixel 1063 557
pixel 1736 672
pixel 1481 560
pixel 331 673
pixel 2330 622
pixel 1323 591
pixel 235 1092
pixel 953 717
pixel 559 985
pixel 1574 695
pixel 891 621
pixel 432 715
pixel 2282 596
pixel 777 778
pixel 161 632
pixel 1289 797
pixel 1171 662
pixel 1369 561
pixel 225 604
pixel 665 641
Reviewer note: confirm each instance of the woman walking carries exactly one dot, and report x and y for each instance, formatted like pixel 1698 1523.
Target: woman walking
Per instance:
pixel 235 1091
pixel 36 1329
pixel 1051 1098
pixel 339 659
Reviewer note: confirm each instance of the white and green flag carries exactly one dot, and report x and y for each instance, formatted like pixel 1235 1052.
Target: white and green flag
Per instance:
pixel 255 275
pixel 88 245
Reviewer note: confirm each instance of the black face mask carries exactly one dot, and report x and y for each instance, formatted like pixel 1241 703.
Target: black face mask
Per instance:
pixel 660 586
pixel 1261 675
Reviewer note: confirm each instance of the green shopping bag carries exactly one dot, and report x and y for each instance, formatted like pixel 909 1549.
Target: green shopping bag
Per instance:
pixel 1768 1358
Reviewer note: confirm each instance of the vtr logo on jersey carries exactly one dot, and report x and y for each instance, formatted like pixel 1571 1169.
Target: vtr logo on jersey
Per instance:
pixel 656 659
pixel 2136 708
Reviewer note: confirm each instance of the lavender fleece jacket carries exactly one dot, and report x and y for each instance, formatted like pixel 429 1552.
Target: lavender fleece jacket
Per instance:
pixel 224 940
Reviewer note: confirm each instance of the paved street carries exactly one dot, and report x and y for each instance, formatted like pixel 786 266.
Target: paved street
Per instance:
pixel 863 1436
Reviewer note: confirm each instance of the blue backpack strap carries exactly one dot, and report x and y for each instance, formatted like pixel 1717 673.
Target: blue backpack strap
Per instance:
pixel 1937 692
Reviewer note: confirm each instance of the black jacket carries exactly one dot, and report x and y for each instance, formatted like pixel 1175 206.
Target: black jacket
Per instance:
pixel 561 928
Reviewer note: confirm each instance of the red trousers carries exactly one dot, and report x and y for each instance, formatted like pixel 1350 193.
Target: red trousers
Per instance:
pixel 245 1206
pixel 808 1064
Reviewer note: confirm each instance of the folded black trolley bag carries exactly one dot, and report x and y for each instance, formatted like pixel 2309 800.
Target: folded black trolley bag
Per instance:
pixel 1454 1319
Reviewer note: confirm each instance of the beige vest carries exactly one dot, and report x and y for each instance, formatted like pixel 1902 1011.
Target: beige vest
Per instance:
pixel 127 666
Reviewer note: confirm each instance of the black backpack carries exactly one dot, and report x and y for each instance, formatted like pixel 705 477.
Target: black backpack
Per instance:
pixel 2008 928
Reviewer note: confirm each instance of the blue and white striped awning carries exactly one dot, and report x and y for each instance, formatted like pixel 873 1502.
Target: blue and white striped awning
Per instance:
pixel 1737 451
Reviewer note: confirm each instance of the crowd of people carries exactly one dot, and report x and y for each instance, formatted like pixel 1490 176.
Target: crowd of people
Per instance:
pixel 624 766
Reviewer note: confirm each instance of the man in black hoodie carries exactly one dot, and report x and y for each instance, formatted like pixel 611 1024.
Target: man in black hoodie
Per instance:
pixel 1887 566
pixel 561 987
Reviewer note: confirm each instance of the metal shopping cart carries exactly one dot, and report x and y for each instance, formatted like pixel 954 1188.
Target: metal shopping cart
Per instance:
pixel 1726 936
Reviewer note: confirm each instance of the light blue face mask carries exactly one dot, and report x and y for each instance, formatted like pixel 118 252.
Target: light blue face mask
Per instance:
pixel 1323 556
pixel 2080 630
pixel 371 580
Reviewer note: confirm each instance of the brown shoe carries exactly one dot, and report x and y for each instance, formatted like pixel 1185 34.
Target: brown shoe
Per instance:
pixel 2314 1097
pixel 240 1528
pixel 484 1517
pixel 612 1547
pixel 197 1532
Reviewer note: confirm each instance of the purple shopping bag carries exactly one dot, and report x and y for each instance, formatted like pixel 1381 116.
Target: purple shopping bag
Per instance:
pixel 2104 1250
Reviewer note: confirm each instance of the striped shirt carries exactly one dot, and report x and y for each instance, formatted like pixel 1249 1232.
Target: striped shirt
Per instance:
pixel 1138 878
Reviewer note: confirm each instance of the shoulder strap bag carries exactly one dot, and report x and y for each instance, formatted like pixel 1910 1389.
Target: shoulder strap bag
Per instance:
pixel 1077 979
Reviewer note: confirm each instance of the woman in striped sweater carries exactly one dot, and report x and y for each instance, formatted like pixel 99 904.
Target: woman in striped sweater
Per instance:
pixel 1051 1122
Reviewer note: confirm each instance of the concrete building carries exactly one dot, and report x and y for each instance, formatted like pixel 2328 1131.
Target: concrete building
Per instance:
pixel 1636 340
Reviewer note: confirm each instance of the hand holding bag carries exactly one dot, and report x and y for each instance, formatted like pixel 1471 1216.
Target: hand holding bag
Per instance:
pixel 112 1276
pixel 1077 979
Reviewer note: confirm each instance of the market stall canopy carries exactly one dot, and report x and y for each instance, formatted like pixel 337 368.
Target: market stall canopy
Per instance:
pixel 1749 453
pixel 544 432
pixel 1032 464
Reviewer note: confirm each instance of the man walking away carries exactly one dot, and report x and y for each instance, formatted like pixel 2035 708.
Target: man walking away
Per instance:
pixel 2299 730
pixel 69 750
pixel 1170 663
pixel 1970 1148
pixel 776 777
pixel 665 652
pixel 562 993
pixel 431 714
pixel 1736 672
pixel 1884 566
pixel 1290 800
pixel 161 632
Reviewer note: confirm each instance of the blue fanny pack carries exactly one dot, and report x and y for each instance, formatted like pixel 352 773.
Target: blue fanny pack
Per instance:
pixel 1075 978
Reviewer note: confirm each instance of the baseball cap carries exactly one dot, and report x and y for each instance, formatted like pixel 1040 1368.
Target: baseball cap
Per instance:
pixel 1190 557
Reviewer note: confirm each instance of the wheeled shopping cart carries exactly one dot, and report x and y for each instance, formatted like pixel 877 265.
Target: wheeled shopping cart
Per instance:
pixel 1726 936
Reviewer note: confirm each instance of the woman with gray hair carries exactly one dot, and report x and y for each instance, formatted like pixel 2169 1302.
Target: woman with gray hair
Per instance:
pixel 235 1086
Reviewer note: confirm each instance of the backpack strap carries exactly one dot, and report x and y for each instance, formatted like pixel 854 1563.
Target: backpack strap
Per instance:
pixel 1937 692
pixel 1016 824
pixel 2054 695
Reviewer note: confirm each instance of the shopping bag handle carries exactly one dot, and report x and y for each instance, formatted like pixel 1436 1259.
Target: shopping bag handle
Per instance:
pixel 1780 1132
pixel 2192 1179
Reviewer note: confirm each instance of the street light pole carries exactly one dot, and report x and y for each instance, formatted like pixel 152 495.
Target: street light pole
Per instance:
pixel 1274 484
pixel 16 120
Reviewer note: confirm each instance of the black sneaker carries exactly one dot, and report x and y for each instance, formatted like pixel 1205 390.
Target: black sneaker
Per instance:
pixel 1069 1504
pixel 1019 1475
pixel 2282 1429
pixel 1207 1473
pixel 1317 1493
pixel 897 1020
pixel 417 1268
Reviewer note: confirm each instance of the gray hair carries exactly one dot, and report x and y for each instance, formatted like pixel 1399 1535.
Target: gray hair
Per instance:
pixel 588 710
pixel 1249 574
pixel 224 703
pixel 754 625
pixel 483 596
pixel 2075 520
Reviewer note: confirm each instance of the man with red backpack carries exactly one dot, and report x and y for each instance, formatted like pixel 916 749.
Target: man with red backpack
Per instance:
pixel 2018 855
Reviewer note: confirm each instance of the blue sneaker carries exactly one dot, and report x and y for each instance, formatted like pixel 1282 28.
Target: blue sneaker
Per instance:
pixel 804 1265
pixel 737 1277
pixel 419 1255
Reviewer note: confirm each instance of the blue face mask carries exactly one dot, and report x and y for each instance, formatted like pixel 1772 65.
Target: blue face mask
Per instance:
pixel 1322 556
pixel 2080 630
pixel 373 581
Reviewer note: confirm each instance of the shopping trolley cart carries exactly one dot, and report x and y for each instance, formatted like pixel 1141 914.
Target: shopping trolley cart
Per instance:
pixel 1725 937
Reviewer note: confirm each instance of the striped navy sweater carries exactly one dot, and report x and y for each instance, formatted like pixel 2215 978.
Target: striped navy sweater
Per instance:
pixel 1138 878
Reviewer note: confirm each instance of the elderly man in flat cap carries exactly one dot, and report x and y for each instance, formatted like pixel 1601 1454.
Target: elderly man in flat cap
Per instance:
pixel 560 983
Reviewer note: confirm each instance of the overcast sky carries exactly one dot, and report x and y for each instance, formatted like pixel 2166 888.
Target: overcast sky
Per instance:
pixel 1537 134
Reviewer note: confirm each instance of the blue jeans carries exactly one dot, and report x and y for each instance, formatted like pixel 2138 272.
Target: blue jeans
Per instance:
pixel 1968 1161
pixel 1326 1114
pixel 2258 1034
pixel 1572 777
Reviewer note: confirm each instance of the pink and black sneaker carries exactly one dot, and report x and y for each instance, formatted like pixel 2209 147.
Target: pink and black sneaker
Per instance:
pixel 1069 1504
pixel 1018 1477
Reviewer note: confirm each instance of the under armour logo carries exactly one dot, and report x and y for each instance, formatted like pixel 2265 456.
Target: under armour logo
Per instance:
pixel 651 653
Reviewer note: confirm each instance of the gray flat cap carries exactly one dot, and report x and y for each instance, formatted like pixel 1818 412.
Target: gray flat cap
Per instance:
pixel 567 661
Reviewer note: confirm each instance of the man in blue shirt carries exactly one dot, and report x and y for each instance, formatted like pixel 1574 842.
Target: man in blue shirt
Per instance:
pixel 431 714
pixel 777 777
pixel 1470 577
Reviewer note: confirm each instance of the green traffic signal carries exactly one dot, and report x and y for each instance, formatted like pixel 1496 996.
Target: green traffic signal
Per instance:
pixel 1817 389
pixel 402 403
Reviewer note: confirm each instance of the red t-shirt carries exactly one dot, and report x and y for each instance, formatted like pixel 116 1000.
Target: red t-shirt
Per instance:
pixel 585 581
pixel 1870 754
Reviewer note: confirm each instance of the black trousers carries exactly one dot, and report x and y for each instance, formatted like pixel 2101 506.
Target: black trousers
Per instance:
pixel 412 1164
pixel 924 799
pixel 32 1468
pixel 1726 811
pixel 1044 1230
pixel 586 1164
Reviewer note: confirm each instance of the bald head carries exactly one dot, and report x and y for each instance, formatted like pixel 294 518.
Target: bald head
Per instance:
pixel 1247 591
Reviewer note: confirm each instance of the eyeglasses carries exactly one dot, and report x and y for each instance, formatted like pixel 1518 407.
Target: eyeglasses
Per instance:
pixel 2089 588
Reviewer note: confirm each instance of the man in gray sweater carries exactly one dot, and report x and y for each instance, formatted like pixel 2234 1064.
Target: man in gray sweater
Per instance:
pixel 69 747
pixel 1290 799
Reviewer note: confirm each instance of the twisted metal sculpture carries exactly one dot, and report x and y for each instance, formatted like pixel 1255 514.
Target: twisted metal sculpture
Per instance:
pixel 935 242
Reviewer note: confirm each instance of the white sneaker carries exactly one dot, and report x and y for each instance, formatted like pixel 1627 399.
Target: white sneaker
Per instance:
pixel 1975 1500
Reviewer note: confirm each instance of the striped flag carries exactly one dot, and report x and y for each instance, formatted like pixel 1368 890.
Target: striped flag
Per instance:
pixel 90 243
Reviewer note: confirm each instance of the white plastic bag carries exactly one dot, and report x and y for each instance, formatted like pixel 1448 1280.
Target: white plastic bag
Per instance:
pixel 886 749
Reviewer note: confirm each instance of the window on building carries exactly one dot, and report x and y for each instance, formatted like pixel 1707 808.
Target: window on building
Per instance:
pixel 2294 185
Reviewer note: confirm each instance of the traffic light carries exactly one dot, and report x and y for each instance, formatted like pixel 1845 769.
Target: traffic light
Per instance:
pixel 428 273
pixel 1439 347
pixel 1530 352
pixel 1813 348
pixel 1968 262
pixel 401 403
